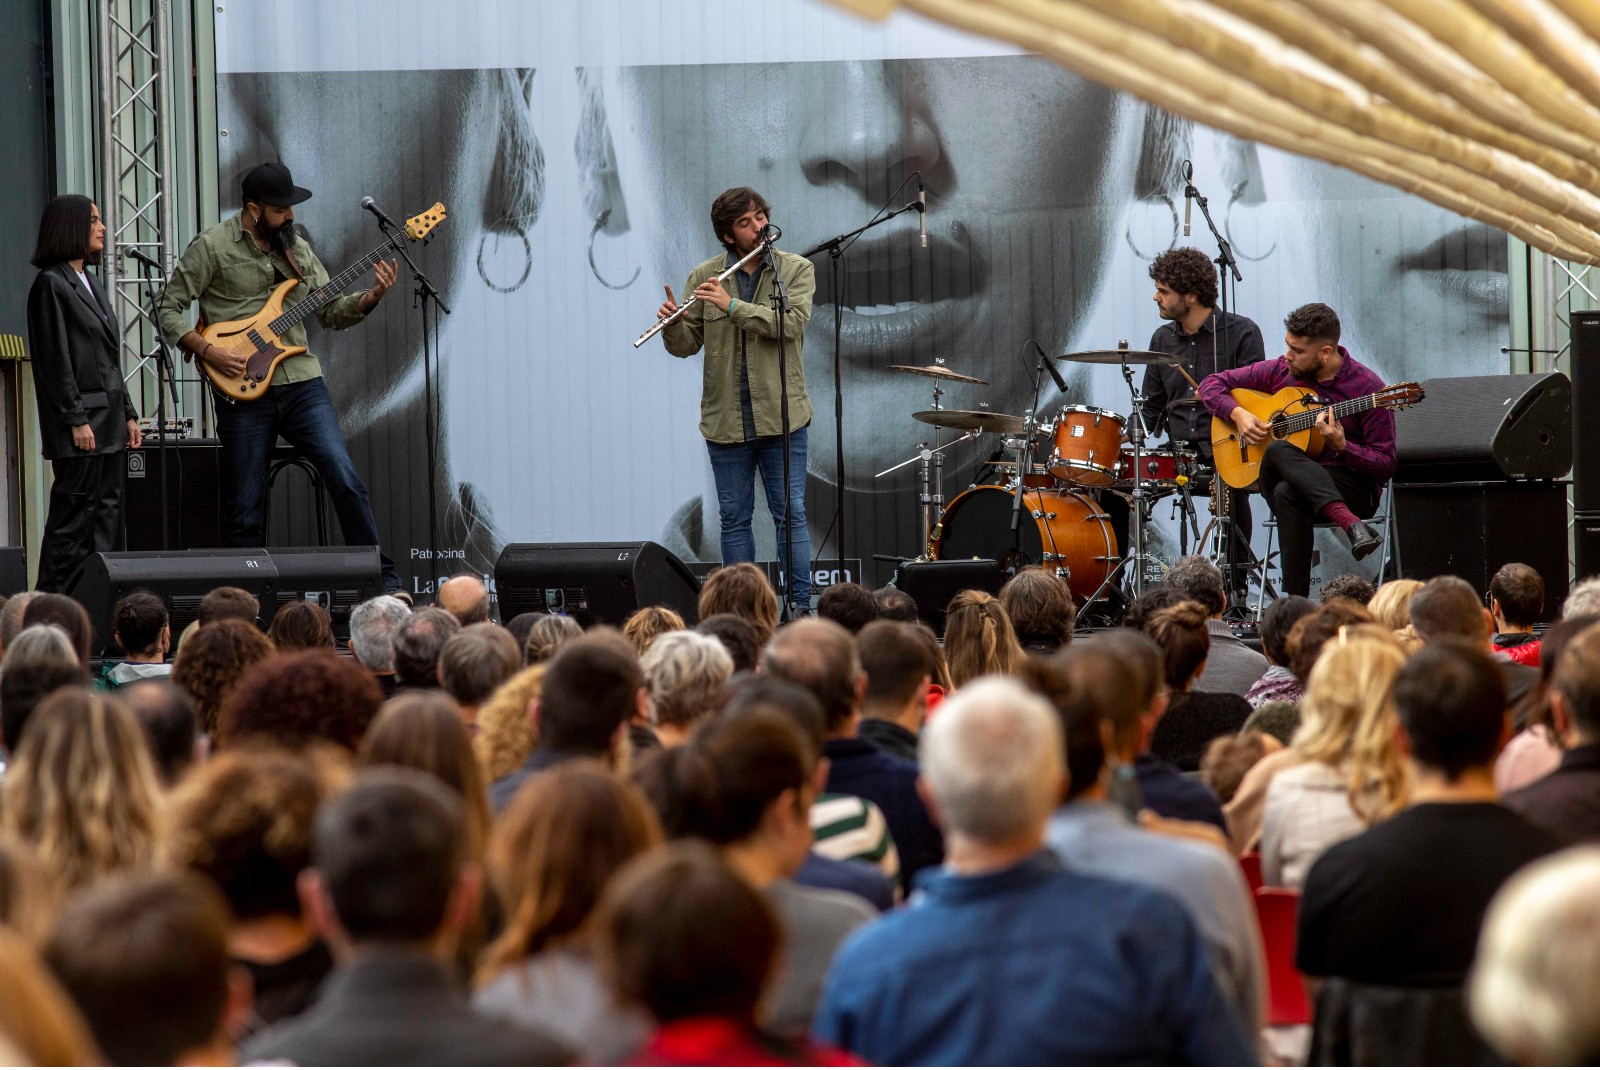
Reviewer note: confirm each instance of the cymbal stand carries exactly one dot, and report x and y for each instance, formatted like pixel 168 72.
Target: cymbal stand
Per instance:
pixel 932 458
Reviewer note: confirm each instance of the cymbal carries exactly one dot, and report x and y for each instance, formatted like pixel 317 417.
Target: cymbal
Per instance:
pixel 1121 356
pixel 938 371
pixel 969 419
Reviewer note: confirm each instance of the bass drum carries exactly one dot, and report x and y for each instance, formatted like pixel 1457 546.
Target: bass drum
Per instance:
pixel 1062 529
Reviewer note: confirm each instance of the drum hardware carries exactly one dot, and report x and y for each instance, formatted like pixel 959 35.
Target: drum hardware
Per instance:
pixel 1088 445
pixel 1067 530
pixel 930 479
pixel 970 420
pixel 937 370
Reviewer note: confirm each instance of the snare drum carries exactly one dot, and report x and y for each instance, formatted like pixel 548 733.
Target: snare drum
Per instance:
pixel 1088 446
pixel 1161 468
pixel 1068 532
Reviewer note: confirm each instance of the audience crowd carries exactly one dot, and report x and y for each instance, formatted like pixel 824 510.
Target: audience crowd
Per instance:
pixel 1364 834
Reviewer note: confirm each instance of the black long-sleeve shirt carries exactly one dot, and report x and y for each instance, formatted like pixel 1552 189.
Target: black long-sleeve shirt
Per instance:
pixel 1225 340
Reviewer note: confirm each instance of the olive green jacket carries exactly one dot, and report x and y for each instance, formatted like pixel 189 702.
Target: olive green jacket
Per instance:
pixel 752 325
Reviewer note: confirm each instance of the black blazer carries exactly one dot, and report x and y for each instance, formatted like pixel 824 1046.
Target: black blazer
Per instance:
pixel 77 370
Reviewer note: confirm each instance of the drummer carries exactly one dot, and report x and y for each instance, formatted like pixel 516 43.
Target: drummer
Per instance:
pixel 1208 341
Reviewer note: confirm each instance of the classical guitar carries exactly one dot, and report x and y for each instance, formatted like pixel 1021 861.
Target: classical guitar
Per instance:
pixel 259 337
pixel 1292 412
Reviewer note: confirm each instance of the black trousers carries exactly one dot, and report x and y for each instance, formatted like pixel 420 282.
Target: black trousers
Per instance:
pixel 1297 489
pixel 84 516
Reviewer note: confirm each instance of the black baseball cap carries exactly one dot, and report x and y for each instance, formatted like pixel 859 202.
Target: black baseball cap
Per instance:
pixel 271 183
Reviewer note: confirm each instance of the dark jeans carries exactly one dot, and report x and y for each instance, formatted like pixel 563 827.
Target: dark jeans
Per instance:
pixel 85 512
pixel 303 414
pixel 1298 489
pixel 734 467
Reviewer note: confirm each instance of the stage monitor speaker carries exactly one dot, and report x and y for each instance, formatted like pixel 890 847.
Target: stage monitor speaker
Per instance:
pixel 13 570
pixel 1485 427
pixel 931 584
pixel 180 577
pixel 1584 364
pixel 336 578
pixel 1471 529
pixel 194 496
pixel 593 582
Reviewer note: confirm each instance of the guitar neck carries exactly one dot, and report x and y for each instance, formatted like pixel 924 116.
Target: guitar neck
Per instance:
pixel 336 285
pixel 1304 421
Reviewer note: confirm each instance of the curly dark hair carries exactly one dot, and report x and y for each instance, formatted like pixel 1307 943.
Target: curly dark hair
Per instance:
pixel 1187 271
pixel 213 660
pixel 1315 321
pixel 297 700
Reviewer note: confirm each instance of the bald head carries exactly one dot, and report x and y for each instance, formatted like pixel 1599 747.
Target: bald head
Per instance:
pixel 821 657
pixel 465 598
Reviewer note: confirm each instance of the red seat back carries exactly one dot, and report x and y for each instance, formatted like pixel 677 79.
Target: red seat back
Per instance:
pixel 1251 864
pixel 1286 990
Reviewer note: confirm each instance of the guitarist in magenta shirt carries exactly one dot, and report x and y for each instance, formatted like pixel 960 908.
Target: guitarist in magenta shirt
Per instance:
pixel 1345 482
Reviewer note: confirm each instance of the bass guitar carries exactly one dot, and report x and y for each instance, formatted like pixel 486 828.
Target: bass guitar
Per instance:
pixel 259 338
pixel 1293 413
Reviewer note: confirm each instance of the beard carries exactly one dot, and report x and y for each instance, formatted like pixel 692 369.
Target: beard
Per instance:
pixel 278 237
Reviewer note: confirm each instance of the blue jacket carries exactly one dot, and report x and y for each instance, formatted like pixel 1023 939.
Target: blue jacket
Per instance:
pixel 1032 965
pixel 856 767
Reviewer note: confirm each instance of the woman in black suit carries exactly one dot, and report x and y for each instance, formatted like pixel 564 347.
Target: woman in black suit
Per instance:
pixel 85 417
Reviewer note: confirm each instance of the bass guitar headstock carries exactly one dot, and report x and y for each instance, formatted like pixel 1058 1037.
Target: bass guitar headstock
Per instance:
pixel 419 226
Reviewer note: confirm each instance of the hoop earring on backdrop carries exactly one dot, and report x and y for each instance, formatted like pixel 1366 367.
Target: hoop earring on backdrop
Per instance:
pixel 599 225
pixel 527 260
pixel 1227 228
pixel 1150 206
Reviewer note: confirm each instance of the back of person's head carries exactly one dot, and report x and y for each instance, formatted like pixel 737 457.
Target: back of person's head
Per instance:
pixel 1181 632
pixel 1356 588
pixel 1347 716
pixel 82 788
pixel 546 637
pixel 1577 681
pixel 417 641
pixel 590 690
pixel 978 638
pixel 39 660
pixel 506 731
pixel 1081 721
pixel 228 603
pixel 389 853
pixel 476 661
pixel 1584 598
pixel 646 625
pixel 752 691
pixel 1154 598
pixel 684 673
pixel 297 700
pixel 520 625
pixel 564 836
pixel 1039 603
pixel 1122 673
pixel 897 663
pixel 65 613
pixel 11 617
pixel 1228 758
pixel 737 636
pixel 720 784
pixel 424 730
pixel 849 605
pixel 39 1024
pixel 1536 979
pixel 1519 590
pixel 138 621
pixel 993 761
pixel 1311 632
pixel 657 949
pixel 145 958
pixel 1451 700
pixel 1197 579
pixel 213 660
pixel 1448 607
pixel 167 715
pixel 895 604
pixel 1276 621
pixel 744 591
pixel 28 896
pixel 821 657
pixel 465 598
pixel 1391 603
pixel 372 625
pixel 301 625
pixel 243 820
pixel 930 642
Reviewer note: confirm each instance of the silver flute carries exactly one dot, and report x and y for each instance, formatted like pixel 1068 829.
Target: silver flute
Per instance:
pixel 677 313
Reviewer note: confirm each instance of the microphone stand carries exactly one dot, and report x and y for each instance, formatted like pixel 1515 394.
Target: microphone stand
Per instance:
pixel 166 380
pixel 425 296
pixel 835 249
pixel 1025 449
pixel 780 306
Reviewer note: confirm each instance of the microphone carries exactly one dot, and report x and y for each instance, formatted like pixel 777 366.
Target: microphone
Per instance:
pixel 132 253
pixel 771 232
pixel 1055 373
pixel 372 206
pixel 1188 194
pixel 922 213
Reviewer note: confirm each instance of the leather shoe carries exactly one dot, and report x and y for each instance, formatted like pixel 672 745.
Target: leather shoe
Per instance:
pixel 1363 539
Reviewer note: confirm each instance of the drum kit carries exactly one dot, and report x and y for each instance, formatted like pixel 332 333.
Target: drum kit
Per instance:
pixel 1042 505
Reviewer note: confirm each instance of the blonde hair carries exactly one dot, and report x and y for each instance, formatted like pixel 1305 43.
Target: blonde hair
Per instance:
pixel 506 735
pixel 39 1023
pixel 649 624
pixel 83 789
pixel 684 673
pixel 979 639
pixel 1347 717
pixel 1391 605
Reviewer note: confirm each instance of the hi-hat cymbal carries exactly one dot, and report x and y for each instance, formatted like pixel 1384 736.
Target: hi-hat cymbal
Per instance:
pixel 938 371
pixel 969 420
pixel 1121 356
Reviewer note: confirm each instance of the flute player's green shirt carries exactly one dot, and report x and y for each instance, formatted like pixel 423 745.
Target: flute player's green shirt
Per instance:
pixel 230 276
pixel 755 325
